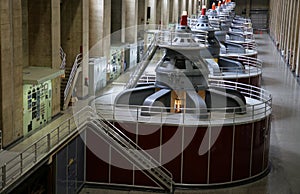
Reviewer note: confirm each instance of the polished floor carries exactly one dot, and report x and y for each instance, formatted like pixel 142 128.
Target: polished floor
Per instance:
pixel 284 177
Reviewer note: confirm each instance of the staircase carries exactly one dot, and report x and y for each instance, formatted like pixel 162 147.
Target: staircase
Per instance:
pixel 149 166
pixel 64 82
pixel 135 76
pixel 68 83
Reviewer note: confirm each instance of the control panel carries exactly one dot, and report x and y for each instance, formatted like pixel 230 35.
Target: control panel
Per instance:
pixel 36 105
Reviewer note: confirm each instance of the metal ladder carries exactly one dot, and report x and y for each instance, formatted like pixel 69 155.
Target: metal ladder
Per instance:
pixel 135 76
pixel 153 169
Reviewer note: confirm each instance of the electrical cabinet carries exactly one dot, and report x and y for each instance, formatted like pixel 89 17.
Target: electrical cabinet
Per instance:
pixel 36 105
pixel 117 64
pixel 97 74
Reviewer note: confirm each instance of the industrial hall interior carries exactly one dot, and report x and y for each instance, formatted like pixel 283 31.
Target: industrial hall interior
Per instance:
pixel 149 96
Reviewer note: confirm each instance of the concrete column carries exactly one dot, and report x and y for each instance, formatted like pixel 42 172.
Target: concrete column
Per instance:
pixel 96 28
pixel 40 36
pixel 171 11
pixel 298 47
pixel 131 21
pixel 75 37
pixel 296 38
pixel 291 33
pixel 281 34
pixel 72 29
pixel 99 27
pixel 142 14
pixel 152 5
pixel 288 29
pixel 183 6
pixel 190 7
pixel 165 7
pixel 158 12
pixel 175 11
pixel 11 61
pixel 195 7
pixel 116 20
pixel 278 20
pixel 56 61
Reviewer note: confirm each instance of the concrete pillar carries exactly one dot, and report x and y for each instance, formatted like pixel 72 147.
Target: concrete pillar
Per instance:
pixel 291 34
pixel 44 27
pixel 283 13
pixel 141 21
pixel 190 7
pixel 298 47
pixel 195 7
pixel 165 7
pixel 56 61
pixel 75 37
pixel 296 38
pixel 288 29
pixel 96 28
pixel 175 11
pixel 158 12
pixel 131 21
pixel 11 75
pixel 183 6
pixel 171 11
pixel 100 28
pixel 152 5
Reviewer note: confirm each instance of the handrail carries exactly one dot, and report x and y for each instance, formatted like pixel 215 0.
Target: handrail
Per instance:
pixel 254 64
pixel 259 108
pixel 77 63
pixel 134 77
pixel 63 57
pixel 144 160
pixel 168 38
pixel 31 155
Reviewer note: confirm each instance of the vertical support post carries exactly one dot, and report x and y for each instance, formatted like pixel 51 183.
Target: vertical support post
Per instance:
pixel 35 152
pixel 58 134
pixel 48 142
pixel 69 125
pixel 3 175
pixel 21 163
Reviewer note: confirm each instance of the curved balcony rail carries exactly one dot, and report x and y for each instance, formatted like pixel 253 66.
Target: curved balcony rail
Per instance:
pixel 252 66
pixel 259 105
pixel 181 39
pixel 36 152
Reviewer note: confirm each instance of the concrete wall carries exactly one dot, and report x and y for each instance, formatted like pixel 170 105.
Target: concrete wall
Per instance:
pixel 71 29
pixel 284 30
pixel 39 28
pixel 11 56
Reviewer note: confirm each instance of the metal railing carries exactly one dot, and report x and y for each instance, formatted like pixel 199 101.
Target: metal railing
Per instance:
pixel 180 39
pixel 252 66
pixel 77 63
pixel 259 106
pixel 135 76
pixel 36 152
pixel 134 153
pixel 63 57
